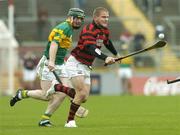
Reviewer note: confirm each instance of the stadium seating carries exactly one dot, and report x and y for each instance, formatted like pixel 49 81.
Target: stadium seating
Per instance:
pixel 25 16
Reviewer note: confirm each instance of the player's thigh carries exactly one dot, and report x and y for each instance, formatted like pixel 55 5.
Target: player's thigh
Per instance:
pixel 78 82
pixel 45 84
pixel 87 88
pixel 66 81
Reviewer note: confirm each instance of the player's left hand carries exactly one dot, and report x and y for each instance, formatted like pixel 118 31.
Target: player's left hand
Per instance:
pixel 51 66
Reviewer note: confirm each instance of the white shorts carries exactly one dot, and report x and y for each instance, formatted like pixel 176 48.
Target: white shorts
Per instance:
pixel 125 73
pixel 75 68
pixel 44 73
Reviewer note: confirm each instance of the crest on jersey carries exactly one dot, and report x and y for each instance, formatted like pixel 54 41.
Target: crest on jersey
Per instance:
pixel 100 40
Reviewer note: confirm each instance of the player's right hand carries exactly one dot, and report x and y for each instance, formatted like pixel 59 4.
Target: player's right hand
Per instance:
pixel 109 60
pixel 118 56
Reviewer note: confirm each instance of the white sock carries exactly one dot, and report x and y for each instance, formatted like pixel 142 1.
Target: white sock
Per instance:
pixel 19 95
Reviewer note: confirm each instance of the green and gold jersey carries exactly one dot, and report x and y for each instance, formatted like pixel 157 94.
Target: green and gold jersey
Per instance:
pixel 126 62
pixel 62 35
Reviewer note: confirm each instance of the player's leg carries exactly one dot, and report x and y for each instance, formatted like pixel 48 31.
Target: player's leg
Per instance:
pixel 53 105
pixel 80 79
pixel 81 112
pixel 51 108
pixel 45 78
pixel 57 87
pixel 129 76
pixel 54 101
pixel 36 94
pixel 40 94
pixel 123 82
pixel 82 93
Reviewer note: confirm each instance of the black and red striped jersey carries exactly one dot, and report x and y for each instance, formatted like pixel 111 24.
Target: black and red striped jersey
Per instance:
pixel 91 34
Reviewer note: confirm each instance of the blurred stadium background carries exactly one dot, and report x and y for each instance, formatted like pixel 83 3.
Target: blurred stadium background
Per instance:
pixel 147 18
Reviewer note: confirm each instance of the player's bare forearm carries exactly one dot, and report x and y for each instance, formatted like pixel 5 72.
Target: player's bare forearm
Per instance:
pixel 52 54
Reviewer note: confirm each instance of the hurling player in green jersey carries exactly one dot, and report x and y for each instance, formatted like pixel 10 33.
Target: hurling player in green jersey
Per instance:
pixel 59 41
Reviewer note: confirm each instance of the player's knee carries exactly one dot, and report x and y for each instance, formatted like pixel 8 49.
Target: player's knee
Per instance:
pixel 83 97
pixel 84 100
pixel 47 98
pixel 44 97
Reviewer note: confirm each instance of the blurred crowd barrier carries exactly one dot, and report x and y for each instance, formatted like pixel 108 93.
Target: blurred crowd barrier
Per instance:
pixel 142 84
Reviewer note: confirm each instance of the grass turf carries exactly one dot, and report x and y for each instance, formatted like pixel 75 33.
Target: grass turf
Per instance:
pixel 116 115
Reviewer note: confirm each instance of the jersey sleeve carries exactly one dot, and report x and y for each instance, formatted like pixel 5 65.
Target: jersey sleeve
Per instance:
pixel 57 35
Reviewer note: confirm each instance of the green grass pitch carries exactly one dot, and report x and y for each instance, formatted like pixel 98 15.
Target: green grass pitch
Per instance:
pixel 109 115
